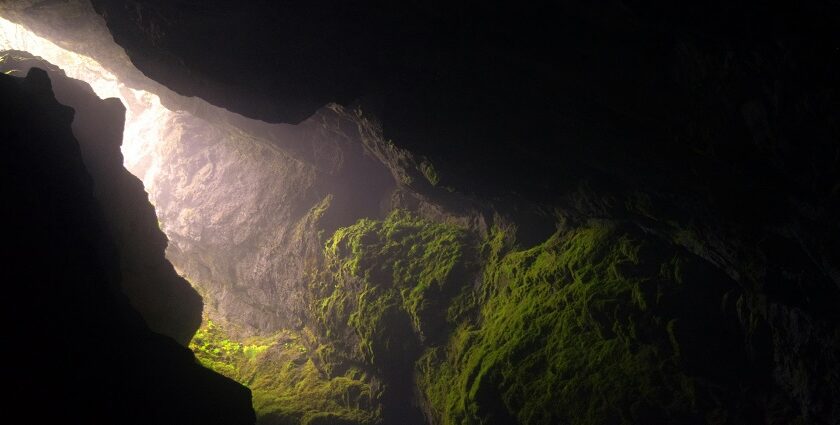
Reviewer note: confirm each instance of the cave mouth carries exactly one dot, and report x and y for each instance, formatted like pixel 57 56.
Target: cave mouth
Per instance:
pixel 144 112
pixel 242 205
pixel 146 128
pixel 149 133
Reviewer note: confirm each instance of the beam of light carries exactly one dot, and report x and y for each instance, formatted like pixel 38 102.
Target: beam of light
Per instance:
pixel 145 116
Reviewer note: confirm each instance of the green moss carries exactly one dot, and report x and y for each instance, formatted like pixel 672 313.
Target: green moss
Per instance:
pixel 215 351
pixel 566 335
pixel 317 212
pixel 380 274
pixel 429 172
pixel 500 239
pixel 286 385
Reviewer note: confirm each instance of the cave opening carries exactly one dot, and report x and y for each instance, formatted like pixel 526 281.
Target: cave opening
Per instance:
pixel 206 181
pixel 145 115
pixel 631 219
pixel 145 127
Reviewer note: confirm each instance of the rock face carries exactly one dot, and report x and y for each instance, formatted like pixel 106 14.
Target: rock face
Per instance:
pixel 237 211
pixel 484 89
pixel 88 356
pixel 166 301
pixel 620 214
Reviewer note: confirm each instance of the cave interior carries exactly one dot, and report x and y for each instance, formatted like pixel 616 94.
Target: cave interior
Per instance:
pixel 430 213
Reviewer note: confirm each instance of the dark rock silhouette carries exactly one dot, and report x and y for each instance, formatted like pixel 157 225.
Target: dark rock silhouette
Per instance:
pixel 648 197
pixel 166 301
pixel 79 353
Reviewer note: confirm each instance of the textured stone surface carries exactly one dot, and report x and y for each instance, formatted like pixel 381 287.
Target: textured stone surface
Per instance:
pixel 706 132
pixel 82 353
pixel 235 209
pixel 166 301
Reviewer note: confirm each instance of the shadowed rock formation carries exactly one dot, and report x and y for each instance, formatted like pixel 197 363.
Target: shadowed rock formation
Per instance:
pixel 166 301
pixel 483 89
pixel 83 355
pixel 593 214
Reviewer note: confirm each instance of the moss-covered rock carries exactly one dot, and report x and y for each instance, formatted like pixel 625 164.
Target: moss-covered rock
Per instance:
pixel 586 328
pixel 390 282
pixel 287 386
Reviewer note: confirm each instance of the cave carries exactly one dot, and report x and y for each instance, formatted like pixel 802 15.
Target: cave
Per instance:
pixel 421 213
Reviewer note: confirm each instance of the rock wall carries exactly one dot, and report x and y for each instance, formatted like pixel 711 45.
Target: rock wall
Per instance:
pixel 82 353
pixel 236 207
pixel 505 231
pixel 166 301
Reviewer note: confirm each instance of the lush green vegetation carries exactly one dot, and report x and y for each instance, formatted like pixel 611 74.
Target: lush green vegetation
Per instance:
pixel 568 333
pixel 286 384
pixel 384 276
pixel 215 351
pixel 584 328
pixel 383 281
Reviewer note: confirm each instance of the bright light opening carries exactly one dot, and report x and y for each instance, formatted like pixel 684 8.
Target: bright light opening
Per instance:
pixel 144 112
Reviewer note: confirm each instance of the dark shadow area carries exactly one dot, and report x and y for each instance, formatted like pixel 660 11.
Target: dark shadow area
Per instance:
pixel 82 355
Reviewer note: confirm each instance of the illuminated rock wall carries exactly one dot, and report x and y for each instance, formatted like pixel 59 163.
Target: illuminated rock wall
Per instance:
pixel 243 247
pixel 167 302
pixel 638 229
pixel 82 353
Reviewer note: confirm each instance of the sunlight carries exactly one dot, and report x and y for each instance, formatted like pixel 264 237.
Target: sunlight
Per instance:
pixel 144 112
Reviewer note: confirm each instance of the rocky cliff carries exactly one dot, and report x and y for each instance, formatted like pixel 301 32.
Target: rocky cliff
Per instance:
pixel 166 301
pixel 620 214
pixel 82 353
